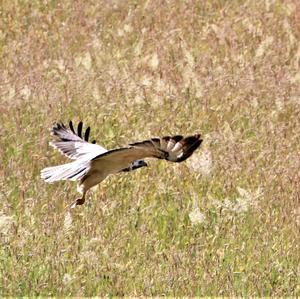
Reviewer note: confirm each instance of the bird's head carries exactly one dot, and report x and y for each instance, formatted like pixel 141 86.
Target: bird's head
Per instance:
pixel 135 165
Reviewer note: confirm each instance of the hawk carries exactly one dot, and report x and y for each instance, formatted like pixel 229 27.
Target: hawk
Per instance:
pixel 93 163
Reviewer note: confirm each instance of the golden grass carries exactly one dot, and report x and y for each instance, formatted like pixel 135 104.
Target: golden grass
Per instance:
pixel 224 223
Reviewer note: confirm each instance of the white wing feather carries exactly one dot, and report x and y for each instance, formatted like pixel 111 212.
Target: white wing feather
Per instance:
pixel 78 149
pixel 75 145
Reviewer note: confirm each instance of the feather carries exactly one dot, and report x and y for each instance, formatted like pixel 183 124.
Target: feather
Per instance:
pixel 87 134
pixel 79 129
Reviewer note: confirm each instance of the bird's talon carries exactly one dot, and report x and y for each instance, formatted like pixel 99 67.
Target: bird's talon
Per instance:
pixel 77 202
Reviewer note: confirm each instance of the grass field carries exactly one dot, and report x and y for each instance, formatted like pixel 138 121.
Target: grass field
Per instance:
pixel 227 221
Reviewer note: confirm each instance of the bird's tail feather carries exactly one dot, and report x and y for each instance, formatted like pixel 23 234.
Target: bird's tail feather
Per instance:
pixel 71 171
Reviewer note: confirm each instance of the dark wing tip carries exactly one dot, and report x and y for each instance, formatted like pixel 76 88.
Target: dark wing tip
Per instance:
pixel 190 144
pixel 191 139
pixel 84 135
pixel 65 134
pixel 71 126
pixel 87 134
pixel 56 127
pixel 79 129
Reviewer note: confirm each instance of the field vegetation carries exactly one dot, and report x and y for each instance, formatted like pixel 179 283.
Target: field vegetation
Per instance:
pixel 227 221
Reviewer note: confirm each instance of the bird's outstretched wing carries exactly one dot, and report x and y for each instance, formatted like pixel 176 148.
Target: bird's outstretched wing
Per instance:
pixel 172 148
pixel 75 145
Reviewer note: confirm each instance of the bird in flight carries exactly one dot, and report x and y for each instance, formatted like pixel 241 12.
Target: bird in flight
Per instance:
pixel 93 163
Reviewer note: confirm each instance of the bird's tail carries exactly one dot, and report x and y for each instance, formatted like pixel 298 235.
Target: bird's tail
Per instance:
pixel 71 171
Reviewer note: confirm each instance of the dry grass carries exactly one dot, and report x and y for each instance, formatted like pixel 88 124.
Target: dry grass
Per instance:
pixel 225 222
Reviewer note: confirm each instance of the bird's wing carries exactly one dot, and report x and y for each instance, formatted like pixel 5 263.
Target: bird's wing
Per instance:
pixel 75 145
pixel 175 149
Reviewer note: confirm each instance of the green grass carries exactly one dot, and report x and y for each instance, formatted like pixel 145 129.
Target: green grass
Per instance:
pixel 224 223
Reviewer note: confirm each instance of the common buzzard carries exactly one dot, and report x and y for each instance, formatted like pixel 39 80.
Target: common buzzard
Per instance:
pixel 93 163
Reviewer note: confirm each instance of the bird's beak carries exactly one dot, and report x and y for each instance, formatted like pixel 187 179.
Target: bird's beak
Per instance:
pixel 143 163
pixel 138 164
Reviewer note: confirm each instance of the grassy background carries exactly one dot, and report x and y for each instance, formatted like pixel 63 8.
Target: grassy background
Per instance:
pixel 227 221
